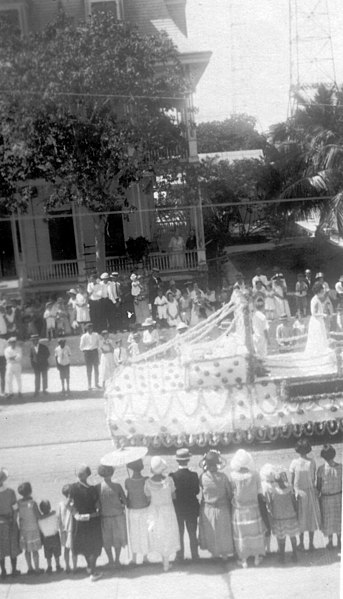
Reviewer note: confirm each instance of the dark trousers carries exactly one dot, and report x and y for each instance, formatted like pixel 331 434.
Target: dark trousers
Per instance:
pixel 2 373
pixel 116 317
pixel 41 374
pixel 92 361
pixel 95 314
pixel 191 522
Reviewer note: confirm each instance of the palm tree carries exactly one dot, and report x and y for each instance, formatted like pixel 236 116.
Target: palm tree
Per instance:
pixel 308 153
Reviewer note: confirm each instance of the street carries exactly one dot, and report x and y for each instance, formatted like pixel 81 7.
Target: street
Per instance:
pixel 45 441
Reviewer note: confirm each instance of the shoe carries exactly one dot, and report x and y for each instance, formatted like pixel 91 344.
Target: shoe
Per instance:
pixel 9 395
pixel 46 391
pixel 98 386
pixel 20 395
pixel 48 570
pixel 59 568
pixel 30 572
pixel 67 570
pixel 89 388
pixel 281 559
pixel 3 574
pixel 94 577
pixel 300 547
pixel 38 572
pixel 15 573
pixel 311 547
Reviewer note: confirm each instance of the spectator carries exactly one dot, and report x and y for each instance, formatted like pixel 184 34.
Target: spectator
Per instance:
pixel 185 306
pixel 177 251
pixel 9 546
pixel 339 292
pixel 191 241
pixel 48 526
pixel 327 303
pixel 89 345
pixel 141 305
pixel 82 309
pixel 133 347
pixel 114 295
pixel 112 502
pixel 308 280
pixel 105 303
pixel 106 357
pixel 71 305
pixel 173 315
pixel 260 330
pixel 10 320
pixel 62 318
pixel 62 356
pixel 174 290
pixel 13 355
pixel 65 520
pixel 39 356
pixel 154 285
pixel 259 290
pixel 94 290
pixel 160 308
pixel 50 319
pixel 30 538
pixel 3 325
pixel 259 277
pixel 3 345
pixel 150 334
pixel 120 353
pixel 299 326
pixel 301 290
pixel 280 295
pixel 269 304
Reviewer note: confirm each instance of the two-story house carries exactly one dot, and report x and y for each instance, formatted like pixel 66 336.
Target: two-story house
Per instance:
pixel 55 252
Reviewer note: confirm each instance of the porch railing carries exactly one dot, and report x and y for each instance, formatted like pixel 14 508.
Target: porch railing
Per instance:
pixel 54 271
pixel 165 262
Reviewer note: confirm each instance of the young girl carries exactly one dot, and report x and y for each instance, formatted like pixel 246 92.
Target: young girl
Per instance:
pixel 106 368
pixel 112 511
pixel 329 485
pixel 303 471
pixel 65 521
pixel 161 305
pixel 164 537
pixel 282 508
pixel 48 525
pixel 173 317
pixel 30 539
pixel 50 320
pixel 138 508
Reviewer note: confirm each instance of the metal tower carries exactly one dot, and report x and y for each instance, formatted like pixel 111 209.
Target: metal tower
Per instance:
pixel 311 55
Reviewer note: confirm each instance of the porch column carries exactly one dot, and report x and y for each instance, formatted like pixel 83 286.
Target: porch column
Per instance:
pixel 78 232
pixel 199 230
pixel 19 265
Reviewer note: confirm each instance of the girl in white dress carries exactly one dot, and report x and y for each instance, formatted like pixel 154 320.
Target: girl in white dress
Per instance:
pixel 82 309
pixel 107 364
pixel 173 314
pixel 317 340
pixel 280 291
pixel 164 537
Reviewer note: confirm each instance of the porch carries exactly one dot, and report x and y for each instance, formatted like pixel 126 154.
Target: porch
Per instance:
pixel 63 273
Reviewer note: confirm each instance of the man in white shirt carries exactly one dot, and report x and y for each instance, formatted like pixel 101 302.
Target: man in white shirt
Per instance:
pixel 3 345
pixel 90 345
pixel 105 302
pixel 63 355
pixel 13 355
pixel 114 295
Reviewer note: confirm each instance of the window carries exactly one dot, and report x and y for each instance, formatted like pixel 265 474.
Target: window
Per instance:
pixel 110 6
pixel 62 235
pixel 14 16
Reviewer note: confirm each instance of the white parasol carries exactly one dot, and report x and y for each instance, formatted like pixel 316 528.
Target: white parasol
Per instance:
pixel 123 456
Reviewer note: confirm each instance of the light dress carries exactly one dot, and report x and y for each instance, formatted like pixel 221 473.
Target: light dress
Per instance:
pixel 215 528
pixel 161 304
pixel 260 327
pixel 177 249
pixel 304 471
pixel 30 537
pixel 281 502
pixel 280 301
pixel 107 365
pixel 82 309
pixel 330 499
pixel 269 304
pixel 248 529
pixel 137 515
pixel 173 317
pixel 65 523
pixel 9 532
pixel 164 537
pixel 317 340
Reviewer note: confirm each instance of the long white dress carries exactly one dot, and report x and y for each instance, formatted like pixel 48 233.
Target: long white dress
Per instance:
pixel 280 301
pixel 164 537
pixel 177 249
pixel 107 364
pixel 317 340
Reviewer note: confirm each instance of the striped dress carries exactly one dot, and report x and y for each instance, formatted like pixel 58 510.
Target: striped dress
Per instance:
pixel 281 503
pixel 304 471
pixel 330 484
pixel 248 530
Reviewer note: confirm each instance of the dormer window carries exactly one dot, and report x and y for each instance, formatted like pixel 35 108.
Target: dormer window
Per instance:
pixel 14 15
pixel 110 6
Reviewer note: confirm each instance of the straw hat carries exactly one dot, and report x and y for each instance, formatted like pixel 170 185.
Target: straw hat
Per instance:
pixel 158 465
pixel 242 459
pixel 212 458
pixel 183 455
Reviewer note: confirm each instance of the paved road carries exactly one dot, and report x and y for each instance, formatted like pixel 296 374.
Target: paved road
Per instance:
pixel 44 441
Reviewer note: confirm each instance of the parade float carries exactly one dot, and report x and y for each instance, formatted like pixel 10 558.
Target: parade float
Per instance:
pixel 207 387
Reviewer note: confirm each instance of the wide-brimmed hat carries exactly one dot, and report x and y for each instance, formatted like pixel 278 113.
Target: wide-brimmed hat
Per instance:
pixel 12 340
pixel 158 465
pixel 303 447
pixel 181 326
pixel 123 455
pixel 149 322
pixel 104 276
pixel 72 292
pixel 105 332
pixel 211 458
pixel 3 474
pixel 49 303
pixel 242 459
pixel 183 455
pixel 34 336
pixel 115 274
pixel 328 452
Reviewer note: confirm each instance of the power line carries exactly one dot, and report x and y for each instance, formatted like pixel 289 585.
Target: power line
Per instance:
pixel 90 95
pixel 133 211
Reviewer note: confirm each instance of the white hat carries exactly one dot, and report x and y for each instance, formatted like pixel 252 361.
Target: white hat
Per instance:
pixel 181 326
pixel 72 291
pixel 114 274
pixel 158 465
pixel 149 322
pixel 104 275
pixel 242 459
pixel 133 277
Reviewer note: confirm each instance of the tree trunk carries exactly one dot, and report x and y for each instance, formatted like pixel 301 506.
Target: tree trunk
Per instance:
pixel 99 242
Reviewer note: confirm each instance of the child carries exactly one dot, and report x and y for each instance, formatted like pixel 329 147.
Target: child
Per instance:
pixel 161 304
pixel 267 482
pixel 133 347
pixel 284 334
pixel 301 290
pixel 30 539
pixel 138 505
pixel 269 302
pixel 185 307
pixel 65 521
pixel 329 485
pixel 62 355
pixel 50 320
pixel 112 510
pixel 282 508
pixel 48 525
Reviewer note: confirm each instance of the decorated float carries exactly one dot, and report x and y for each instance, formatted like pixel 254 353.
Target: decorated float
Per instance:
pixel 207 387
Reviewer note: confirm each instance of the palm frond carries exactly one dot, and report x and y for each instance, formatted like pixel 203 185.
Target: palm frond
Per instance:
pixel 307 187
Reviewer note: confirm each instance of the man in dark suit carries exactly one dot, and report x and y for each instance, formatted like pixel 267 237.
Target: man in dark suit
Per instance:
pixel 186 503
pixel 154 283
pixel 39 356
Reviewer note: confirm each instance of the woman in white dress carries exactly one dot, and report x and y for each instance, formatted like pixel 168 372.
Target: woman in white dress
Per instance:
pixel 198 305
pixel 177 250
pixel 317 340
pixel 173 313
pixel 82 308
pixel 164 537
pixel 107 365
pixel 280 292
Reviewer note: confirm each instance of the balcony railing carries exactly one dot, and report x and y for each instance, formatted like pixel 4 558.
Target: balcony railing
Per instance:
pixel 63 270
pixel 165 262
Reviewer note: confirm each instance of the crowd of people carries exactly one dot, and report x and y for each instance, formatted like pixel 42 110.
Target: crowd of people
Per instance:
pixel 228 515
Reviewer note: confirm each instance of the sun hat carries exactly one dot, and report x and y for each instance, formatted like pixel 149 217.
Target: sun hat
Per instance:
pixel 12 340
pixel 158 465
pixel 303 447
pixel 267 473
pixel 149 322
pixel 212 458
pixel 328 452
pixel 183 455
pixel 3 475
pixel 104 332
pixel 242 459
pixel 104 276
pixel 34 336
pixel 72 292
pixel 181 326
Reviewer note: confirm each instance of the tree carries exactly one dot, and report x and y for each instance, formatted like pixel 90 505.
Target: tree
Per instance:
pixel 84 107
pixel 235 133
